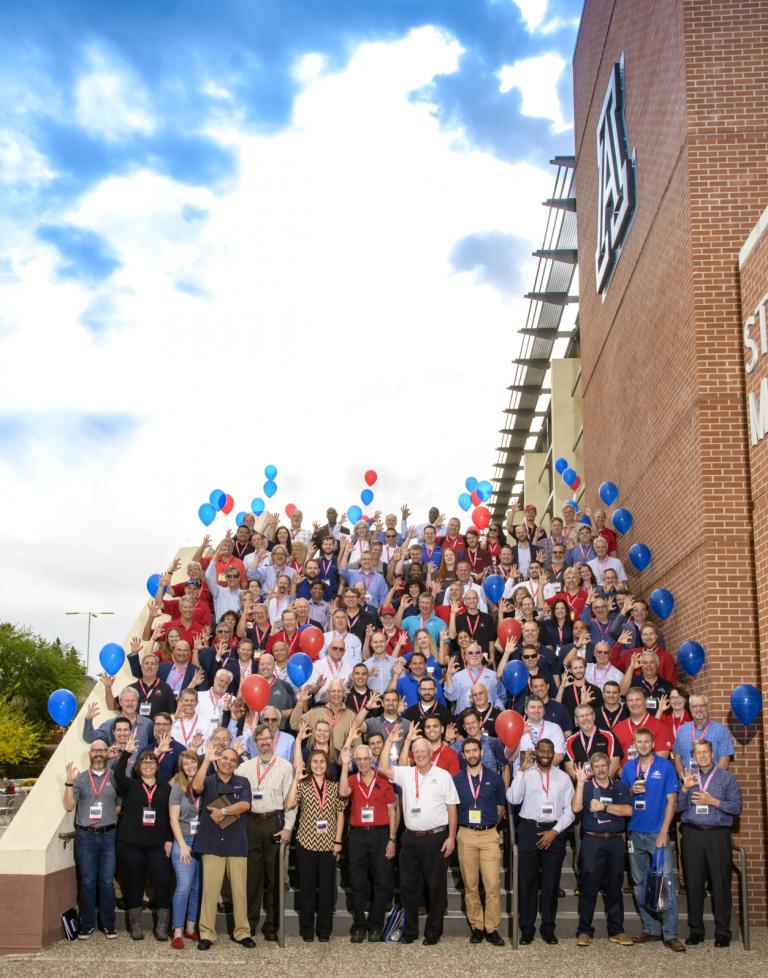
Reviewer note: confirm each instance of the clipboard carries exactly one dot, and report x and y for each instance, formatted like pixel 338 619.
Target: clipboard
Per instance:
pixel 222 802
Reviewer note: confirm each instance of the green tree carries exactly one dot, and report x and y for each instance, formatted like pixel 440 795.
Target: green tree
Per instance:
pixel 20 739
pixel 31 668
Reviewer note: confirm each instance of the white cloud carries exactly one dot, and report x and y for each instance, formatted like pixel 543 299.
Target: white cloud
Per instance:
pixel 20 162
pixel 309 66
pixel 110 101
pixel 333 331
pixel 533 12
pixel 536 79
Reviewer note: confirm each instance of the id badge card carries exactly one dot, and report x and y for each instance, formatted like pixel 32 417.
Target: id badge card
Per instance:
pixel 651 704
pixel 631 753
pixel 257 795
pixel 367 597
pixel 605 800
pixel 145 709
pixel 639 804
pixel 95 812
pixel 547 812
pixel 321 825
pixel 194 825
pixel 393 753
pixel 475 816
pixel 431 670
pixel 416 810
pixel 366 815
pixel 148 817
pixel 702 809
pixel 588 769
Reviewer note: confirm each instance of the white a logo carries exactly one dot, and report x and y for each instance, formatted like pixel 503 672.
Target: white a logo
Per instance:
pixel 615 178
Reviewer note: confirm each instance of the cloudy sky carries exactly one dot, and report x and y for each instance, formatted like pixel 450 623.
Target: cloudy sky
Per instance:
pixel 253 232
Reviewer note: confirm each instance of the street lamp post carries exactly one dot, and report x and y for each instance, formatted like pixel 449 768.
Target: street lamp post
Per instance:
pixel 90 614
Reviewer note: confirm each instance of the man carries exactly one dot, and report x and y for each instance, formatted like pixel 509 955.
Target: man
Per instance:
pixel 707 804
pixel 492 753
pixel 554 712
pixel 428 704
pixel 282 741
pixel 298 533
pixel 434 518
pixel 431 551
pixel 353 647
pixel 434 734
pixel 632 618
pixel 188 626
pixel 318 605
pixel 407 685
pixel 546 546
pixel 181 673
pixel 267 574
pixel 387 720
pixel 639 718
pixel 599 625
pixel 477 561
pixel 537 728
pixel 588 741
pixel 602 531
pixel 653 784
pixel 331 667
pixel 166 749
pixel 128 703
pixel 649 680
pixel 222 560
pixel 464 577
pixel 267 826
pixel 93 797
pixel 481 807
pixel 605 805
pixel 212 703
pixel 426 618
pixel 601 671
pixel 373 819
pixel 373 582
pixel 583 552
pixel 544 794
pixel 359 694
pixel 334 712
pixel 522 555
pixel 226 597
pixel 453 540
pixel 601 562
pixel 155 696
pixel 331 530
pixel 621 654
pixel 613 710
pixel 478 624
pixel 459 682
pixel 223 844
pixel 309 576
pixel 488 712
pixel 281 694
pixel 698 729
pixel 429 800
pixel 575 690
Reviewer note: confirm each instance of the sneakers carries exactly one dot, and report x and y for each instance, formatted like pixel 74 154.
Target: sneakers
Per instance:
pixel 86 933
pixel 624 939
pixel 584 940
pixel 110 933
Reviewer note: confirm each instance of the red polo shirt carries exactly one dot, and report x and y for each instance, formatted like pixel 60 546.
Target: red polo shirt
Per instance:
pixel 377 795
pixel 624 732
pixel 621 657
pixel 292 643
pixel 222 566
pixel 447 759
pixel 188 634
pixel 202 612
pixel 610 536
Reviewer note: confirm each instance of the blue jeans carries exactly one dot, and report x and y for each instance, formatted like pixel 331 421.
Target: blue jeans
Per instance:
pixel 95 858
pixel 644 844
pixel 186 896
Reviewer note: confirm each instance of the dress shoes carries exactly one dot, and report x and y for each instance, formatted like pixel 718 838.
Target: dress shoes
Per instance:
pixel 477 936
pixel 495 938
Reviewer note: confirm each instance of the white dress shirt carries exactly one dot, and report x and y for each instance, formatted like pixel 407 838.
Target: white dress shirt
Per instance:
pixel 329 670
pixel 426 797
pixel 353 649
pixel 534 789
pixel 482 604
pixel 460 689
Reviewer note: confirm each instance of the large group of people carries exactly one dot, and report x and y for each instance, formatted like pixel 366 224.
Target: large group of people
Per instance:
pixel 387 757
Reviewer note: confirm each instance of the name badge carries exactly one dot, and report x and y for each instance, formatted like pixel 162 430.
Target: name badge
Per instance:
pixel 416 810
pixel 475 816
pixel 367 597
pixel 431 670
pixel 651 704
pixel 605 801
pixel 148 817
pixel 257 795
pixel 145 709
pixel 321 825
pixel 366 815
pixel 547 812
pixel 588 769
pixel 484 733
pixel 95 812
pixel 326 581
pixel 631 753
pixel 393 753
pixel 639 804
pixel 194 825
pixel 702 809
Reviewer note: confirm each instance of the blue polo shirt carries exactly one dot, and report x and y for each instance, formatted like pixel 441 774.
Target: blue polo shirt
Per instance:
pixel 408 687
pixel 660 780
pixel 603 821
pixel 718 735
pixel 211 839
pixel 492 793
pixel 434 625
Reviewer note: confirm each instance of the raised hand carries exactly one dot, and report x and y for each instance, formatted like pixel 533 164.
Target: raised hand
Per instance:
pixel 197 741
pixel 130 744
pixel 71 771
pixel 581 775
pixel 91 711
pixel 136 644
pixel 527 761
pixel 346 756
pixel 404 511
pixel 107 679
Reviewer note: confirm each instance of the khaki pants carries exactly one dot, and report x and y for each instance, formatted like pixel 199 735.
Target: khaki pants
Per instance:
pixel 236 868
pixel 480 855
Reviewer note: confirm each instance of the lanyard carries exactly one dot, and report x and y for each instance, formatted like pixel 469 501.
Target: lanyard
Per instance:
pixel 359 703
pixel 327 566
pixel 150 794
pixel 705 786
pixel 534 733
pixel 701 735
pixel 650 688
pixel 438 754
pixel 333 720
pixel 475 674
pixel 544 783
pixel 640 723
pixel 148 690
pixel 472 629
pixel 333 667
pixel 214 701
pixel 416 775
pixel 603 628
pixel 259 776
pixel 475 794
pixel 587 747
pixel 105 778
pixel 432 708
pixel 367 792
pixel 320 797
pixel 584 553
pixel 611 725
pixel 676 724
pixel 260 636
pixel 195 801
pixel 187 735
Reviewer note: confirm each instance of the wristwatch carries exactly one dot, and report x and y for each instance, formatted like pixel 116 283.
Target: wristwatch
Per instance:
pixel 392 838
pixel 605 806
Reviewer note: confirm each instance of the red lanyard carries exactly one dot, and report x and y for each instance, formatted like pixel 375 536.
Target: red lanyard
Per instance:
pixel 472 558
pixel 534 734
pixel 705 786
pixel 416 775
pixel 320 797
pixel 333 720
pixel 260 636
pixel 187 735
pixel 327 566
pixel 195 801
pixel 150 794
pixel 431 709
pixel 105 778
pixel 475 794
pixel 701 735
pixel 146 691
pixel 359 703
pixel 469 624
pixel 676 724
pixel 367 792
pixel 605 717
pixel 259 776
pixel 475 674
pixel 640 723
pixel 436 757
pixel 584 554
pixel 587 747
pixel 544 786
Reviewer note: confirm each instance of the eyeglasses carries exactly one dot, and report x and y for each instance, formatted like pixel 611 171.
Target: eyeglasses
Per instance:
pixel 530 657
pixel 271 719
pixel 233 577
pixel 338 648
pixel 493 531
pixel 99 750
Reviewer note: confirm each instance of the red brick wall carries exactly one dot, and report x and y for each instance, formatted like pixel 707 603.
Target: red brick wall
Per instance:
pixel 662 354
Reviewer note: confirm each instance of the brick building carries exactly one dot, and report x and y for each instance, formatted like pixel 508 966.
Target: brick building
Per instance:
pixel 671 135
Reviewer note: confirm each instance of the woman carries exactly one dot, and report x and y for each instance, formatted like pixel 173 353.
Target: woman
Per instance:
pixel 143 840
pixel 184 813
pixel 558 630
pixel 357 543
pixel 572 593
pixel 165 649
pixel 308 740
pixel 412 591
pixel 299 556
pixel 446 572
pixel 283 538
pixel 586 576
pixel 493 542
pixel 424 643
pixel 673 710
pixel 318 845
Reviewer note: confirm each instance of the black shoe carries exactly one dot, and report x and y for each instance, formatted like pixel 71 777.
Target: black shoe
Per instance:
pixel 431 939
pixel 549 939
pixel 495 938
pixel 110 933
pixel 357 936
pixel 560 892
pixel 477 936
pixel 270 935
pixel 407 940
pixel 308 940
pixel 375 935
pixel 690 941
pixel 86 933
pixel 203 945
pixel 526 939
pixel 323 940
pixel 722 942
pixel 247 942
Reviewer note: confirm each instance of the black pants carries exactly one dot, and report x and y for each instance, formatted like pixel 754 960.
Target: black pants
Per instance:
pixel 602 864
pixel 367 860
pixel 708 854
pixel 137 864
pixel 317 891
pixel 423 864
pixel 263 869
pixel 539 869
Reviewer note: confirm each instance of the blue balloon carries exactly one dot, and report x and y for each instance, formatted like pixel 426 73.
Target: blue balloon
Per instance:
pixel 207 514
pixel 585 519
pixel 570 476
pixel 217 498
pixel 515 677
pixel 622 520
pixel 493 586
pixel 366 496
pixel 484 490
pixel 608 493
pixel 746 703
pixel 465 501
pixel 572 503
pixel 153 583
pixel 561 465
pixel 299 668
pixel 112 657
pixel 62 707
pixel 640 556
pixel 257 506
pixel 270 488
pixel 354 514
pixel 239 519
pixel 270 473
pixel 690 655
pixel 662 602
pixel 471 484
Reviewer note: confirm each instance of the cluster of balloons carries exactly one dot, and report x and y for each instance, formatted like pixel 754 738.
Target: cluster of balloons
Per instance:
pixel 477 493
pixel 270 486
pixel 639 554
pixel 569 476
pixel 218 502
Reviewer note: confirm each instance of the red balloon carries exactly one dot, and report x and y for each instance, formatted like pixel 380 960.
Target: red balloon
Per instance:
pixel 370 477
pixel 577 483
pixel 476 500
pixel 289 509
pixel 229 505
pixel 509 628
pixel 255 692
pixel 509 728
pixel 481 517
pixel 311 641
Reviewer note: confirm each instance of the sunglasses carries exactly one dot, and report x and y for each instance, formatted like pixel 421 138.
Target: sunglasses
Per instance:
pixel 530 657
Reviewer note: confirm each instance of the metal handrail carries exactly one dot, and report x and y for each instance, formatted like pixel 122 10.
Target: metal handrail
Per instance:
pixel 512 855
pixel 744 898
pixel 281 895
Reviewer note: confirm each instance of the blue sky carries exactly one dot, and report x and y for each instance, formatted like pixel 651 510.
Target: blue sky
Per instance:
pixel 219 217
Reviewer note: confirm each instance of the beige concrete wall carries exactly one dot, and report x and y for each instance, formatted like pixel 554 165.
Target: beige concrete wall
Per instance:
pixel 566 425
pixel 536 489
